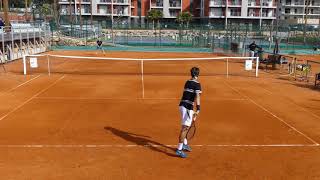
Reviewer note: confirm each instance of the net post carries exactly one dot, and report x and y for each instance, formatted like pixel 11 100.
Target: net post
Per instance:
pixel 24 64
pixel 295 68
pixel 227 67
pixel 257 66
pixel 48 61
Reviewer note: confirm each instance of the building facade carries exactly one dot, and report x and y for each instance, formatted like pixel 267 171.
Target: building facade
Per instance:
pixel 256 12
pixel 295 11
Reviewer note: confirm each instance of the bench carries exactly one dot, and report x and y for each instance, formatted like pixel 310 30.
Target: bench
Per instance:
pixel 272 60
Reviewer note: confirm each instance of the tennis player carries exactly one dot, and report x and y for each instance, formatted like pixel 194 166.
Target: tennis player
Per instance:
pixel 192 91
pixel 99 45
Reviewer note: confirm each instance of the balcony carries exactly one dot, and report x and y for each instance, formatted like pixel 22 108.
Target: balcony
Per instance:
pixel 216 14
pixel 268 4
pixel 106 1
pixel 156 4
pixel 254 4
pixel 173 13
pixel 77 1
pixel 83 1
pixel 217 3
pixel 63 1
pixel 253 15
pixel 120 2
pixel 174 4
pixel 234 3
pixel 234 14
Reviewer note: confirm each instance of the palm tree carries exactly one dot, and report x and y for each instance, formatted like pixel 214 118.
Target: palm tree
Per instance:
pixel 56 13
pixel 6 10
pixel 70 12
pixel 91 15
pixel 184 17
pixel 154 15
pixel 80 13
pixel 306 11
pixel 26 8
pixel 187 18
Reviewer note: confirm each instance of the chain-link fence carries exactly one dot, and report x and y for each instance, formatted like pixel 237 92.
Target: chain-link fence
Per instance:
pixel 216 37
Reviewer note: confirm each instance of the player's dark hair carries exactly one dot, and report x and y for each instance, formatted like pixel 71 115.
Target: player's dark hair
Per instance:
pixel 195 71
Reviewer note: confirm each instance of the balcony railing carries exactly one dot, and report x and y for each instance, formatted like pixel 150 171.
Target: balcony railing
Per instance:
pixel 175 4
pixel 217 3
pixel 77 1
pixel 254 14
pixel 115 1
pixel 232 13
pixel 216 14
pixel 234 3
pixel 105 1
pixel 157 4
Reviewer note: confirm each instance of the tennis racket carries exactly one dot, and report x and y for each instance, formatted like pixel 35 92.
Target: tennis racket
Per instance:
pixel 192 129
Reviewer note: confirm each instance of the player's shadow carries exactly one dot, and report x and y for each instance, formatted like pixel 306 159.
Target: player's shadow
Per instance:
pixel 142 140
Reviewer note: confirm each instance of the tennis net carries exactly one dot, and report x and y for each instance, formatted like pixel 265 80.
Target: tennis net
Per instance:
pixel 209 66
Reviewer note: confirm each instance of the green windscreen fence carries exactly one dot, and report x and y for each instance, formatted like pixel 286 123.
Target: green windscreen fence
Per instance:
pixel 212 37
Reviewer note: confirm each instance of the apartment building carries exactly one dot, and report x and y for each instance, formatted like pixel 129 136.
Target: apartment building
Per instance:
pixel 242 11
pixel 294 11
pixel 213 11
pixel 101 10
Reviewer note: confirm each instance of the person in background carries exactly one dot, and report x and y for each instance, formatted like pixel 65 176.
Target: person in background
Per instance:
pixel 252 48
pixel 1 23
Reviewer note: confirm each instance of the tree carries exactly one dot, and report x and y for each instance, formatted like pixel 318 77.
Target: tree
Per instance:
pixel 91 15
pixel 45 11
pixel 80 11
pixel 184 18
pixel 154 15
pixel 306 11
pixel 187 17
pixel 70 13
pixel 56 12
pixel 6 10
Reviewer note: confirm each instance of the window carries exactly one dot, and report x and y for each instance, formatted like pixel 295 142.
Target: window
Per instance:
pixel 287 11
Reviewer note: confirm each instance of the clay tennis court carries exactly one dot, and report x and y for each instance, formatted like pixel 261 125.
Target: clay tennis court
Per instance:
pixel 118 125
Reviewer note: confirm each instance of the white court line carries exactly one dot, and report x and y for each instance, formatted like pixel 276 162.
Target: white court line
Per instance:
pixel 303 108
pixel 266 90
pixel 266 110
pixel 28 100
pixel 142 78
pixel 149 145
pixel 19 85
pixel 89 98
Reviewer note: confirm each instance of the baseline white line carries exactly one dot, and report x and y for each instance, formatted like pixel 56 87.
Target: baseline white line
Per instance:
pixel 28 100
pixel 19 85
pixel 266 110
pixel 149 145
pixel 88 98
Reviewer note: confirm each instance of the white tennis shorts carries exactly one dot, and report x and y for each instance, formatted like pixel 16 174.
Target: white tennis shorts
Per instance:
pixel 186 116
pixel 252 53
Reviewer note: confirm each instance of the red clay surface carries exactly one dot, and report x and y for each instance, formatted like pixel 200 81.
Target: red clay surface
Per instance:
pixel 72 126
